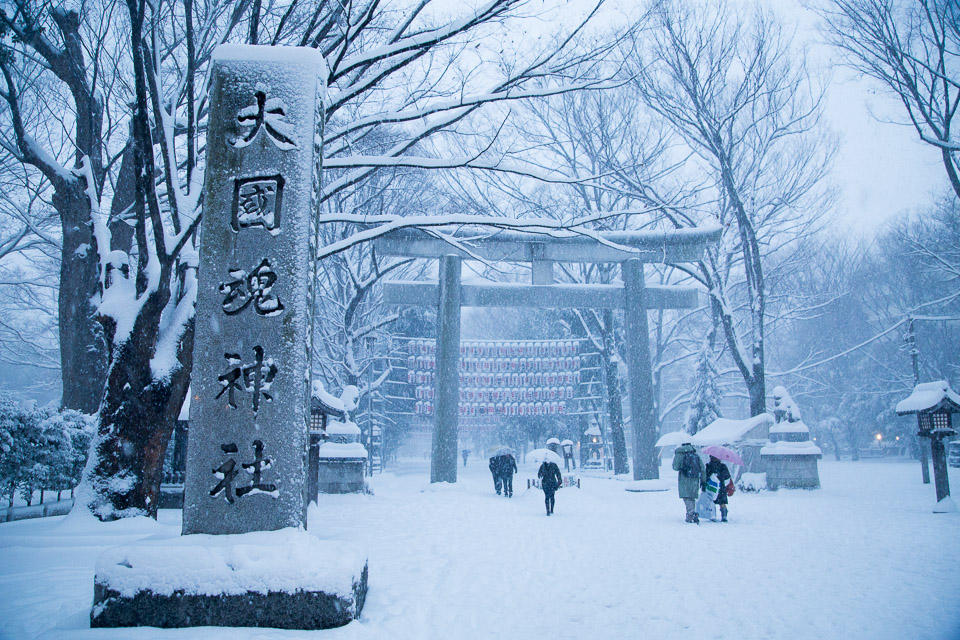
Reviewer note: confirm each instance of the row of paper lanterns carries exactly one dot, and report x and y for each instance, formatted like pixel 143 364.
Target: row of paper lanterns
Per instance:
pixel 473 409
pixel 495 349
pixel 521 380
pixel 502 365
pixel 528 394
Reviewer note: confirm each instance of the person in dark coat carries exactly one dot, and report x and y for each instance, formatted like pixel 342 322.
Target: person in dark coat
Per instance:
pixel 496 468
pixel 691 477
pixel 716 468
pixel 550 481
pixel 508 467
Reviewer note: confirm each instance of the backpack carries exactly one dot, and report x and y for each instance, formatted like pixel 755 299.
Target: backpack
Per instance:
pixel 690 466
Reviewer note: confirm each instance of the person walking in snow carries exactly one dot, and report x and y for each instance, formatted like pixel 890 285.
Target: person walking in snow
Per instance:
pixel 496 468
pixel 466 454
pixel 508 467
pixel 716 468
pixel 550 481
pixel 691 476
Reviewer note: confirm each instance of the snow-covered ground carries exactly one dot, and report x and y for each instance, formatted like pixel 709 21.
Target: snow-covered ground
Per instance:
pixel 864 557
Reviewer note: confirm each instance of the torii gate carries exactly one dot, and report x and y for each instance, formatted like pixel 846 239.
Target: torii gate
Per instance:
pixel 630 248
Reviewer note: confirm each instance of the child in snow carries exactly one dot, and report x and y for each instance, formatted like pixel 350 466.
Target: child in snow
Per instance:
pixel 716 468
pixel 691 476
pixel 550 481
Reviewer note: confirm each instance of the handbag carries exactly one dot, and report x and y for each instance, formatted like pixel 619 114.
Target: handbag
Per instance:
pixel 730 489
pixel 713 487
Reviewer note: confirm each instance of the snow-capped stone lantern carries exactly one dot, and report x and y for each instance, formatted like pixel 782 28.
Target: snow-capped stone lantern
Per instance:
pixel 790 460
pixel 554 445
pixel 934 403
pixel 591 448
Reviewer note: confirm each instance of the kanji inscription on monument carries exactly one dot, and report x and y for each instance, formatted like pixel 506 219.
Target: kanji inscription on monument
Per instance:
pixel 248 437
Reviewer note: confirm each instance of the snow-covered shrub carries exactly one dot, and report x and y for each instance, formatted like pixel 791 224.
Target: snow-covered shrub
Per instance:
pixel 752 482
pixel 40 448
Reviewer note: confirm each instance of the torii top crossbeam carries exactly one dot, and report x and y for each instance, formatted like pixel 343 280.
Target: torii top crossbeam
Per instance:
pixel 671 246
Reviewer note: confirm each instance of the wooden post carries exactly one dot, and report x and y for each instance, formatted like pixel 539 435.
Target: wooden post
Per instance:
pixel 940 477
pixel 640 384
pixel 443 466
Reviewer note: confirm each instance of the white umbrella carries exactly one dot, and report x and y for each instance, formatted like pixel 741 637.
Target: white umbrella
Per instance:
pixel 539 455
pixel 673 439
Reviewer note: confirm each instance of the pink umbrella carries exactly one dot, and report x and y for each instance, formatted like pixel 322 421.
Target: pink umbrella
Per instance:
pixel 723 453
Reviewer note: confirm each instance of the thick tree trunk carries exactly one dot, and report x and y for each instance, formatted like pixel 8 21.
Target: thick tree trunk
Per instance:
pixel 83 351
pixel 137 417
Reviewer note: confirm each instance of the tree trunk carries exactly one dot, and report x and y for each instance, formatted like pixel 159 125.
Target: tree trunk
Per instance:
pixel 614 398
pixel 757 388
pixel 137 417
pixel 83 351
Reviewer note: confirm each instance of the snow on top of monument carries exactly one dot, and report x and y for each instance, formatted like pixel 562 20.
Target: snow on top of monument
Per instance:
pixel 727 431
pixel 784 448
pixel 286 561
pixel 783 401
pixel 347 428
pixel 260 54
pixel 342 450
pixel 594 430
pixel 350 397
pixel 790 427
pixel 928 395
pixel 553 440
pixel 566 442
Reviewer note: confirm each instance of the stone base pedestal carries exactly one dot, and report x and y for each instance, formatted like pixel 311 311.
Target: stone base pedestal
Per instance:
pixel 792 472
pixel 341 475
pixel 284 579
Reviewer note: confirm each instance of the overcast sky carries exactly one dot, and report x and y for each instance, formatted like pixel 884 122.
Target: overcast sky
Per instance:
pixel 882 168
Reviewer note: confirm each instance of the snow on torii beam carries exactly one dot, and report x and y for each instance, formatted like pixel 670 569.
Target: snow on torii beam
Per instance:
pixel 630 248
pixel 676 245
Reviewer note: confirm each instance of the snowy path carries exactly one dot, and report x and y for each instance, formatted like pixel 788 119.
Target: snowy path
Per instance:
pixel 459 562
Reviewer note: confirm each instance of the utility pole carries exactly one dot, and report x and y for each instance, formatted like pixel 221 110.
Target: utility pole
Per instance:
pixel 911 340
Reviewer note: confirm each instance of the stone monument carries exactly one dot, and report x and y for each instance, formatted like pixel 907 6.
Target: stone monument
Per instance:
pixel 247 467
pixel 790 460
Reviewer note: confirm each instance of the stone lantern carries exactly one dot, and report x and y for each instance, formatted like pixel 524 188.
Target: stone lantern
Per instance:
pixel 591 449
pixel 934 403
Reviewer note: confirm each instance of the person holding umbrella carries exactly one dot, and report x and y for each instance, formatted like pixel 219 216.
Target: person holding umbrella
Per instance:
pixel 550 481
pixel 716 468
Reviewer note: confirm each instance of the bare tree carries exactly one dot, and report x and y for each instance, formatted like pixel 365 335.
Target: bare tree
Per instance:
pixel 748 110
pixel 912 48
pixel 54 61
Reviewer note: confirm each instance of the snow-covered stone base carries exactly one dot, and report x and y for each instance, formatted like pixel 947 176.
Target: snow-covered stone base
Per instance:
pixel 947 505
pixel 286 579
pixel 642 486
